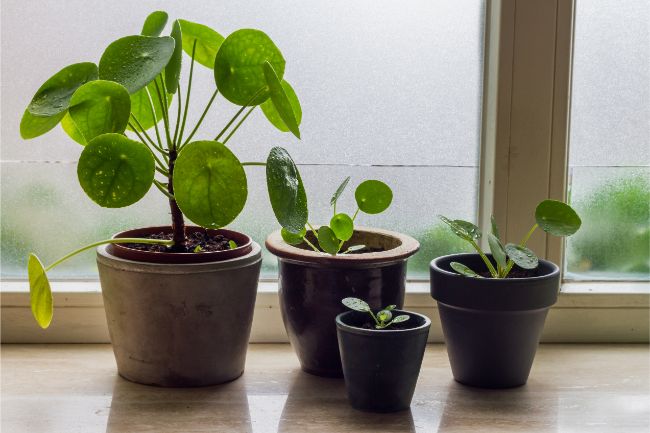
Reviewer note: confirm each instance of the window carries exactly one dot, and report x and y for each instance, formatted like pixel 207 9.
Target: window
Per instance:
pixel 388 90
pixel 609 158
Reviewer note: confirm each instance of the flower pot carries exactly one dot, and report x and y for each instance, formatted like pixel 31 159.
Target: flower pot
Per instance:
pixel 492 326
pixel 180 324
pixel 381 367
pixel 312 285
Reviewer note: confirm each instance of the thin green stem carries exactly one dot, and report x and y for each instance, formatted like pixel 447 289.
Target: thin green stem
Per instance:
pixel 142 129
pixel 311 245
pixel 163 188
pixel 110 241
pixel 487 261
pixel 154 115
pixel 355 214
pixel 239 124
pixel 158 161
pixel 165 113
pixel 149 140
pixel 374 317
pixel 241 110
pixel 313 230
pixel 523 242
pixel 196 127
pixel 178 116
pixel 162 171
pixel 187 100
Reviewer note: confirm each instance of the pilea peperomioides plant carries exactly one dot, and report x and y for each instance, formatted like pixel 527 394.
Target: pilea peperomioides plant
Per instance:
pixel 131 90
pixel 372 197
pixel 552 216
pixel 383 319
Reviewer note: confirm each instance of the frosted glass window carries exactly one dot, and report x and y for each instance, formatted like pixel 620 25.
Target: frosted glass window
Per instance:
pixel 610 141
pixel 389 90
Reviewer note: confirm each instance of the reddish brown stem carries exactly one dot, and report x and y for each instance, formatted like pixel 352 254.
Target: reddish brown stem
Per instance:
pixel 178 223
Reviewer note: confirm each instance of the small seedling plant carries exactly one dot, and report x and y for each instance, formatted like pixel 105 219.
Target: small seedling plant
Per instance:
pixel 552 216
pixel 121 111
pixel 372 197
pixel 383 319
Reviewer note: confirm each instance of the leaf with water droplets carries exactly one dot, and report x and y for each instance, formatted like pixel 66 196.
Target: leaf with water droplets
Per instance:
pixel 100 107
pixel 522 256
pixel 356 304
pixel 286 191
pixel 463 270
pixel 557 218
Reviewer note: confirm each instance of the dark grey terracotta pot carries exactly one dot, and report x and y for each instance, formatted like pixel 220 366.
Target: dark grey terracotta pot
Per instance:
pixel 381 367
pixel 182 324
pixel 492 326
pixel 312 285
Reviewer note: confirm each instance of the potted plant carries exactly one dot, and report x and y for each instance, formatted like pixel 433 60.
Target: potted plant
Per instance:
pixel 493 306
pixel 179 299
pixel 381 354
pixel 319 266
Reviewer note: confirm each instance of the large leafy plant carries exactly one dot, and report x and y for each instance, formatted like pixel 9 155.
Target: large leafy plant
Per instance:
pixel 131 91
pixel 554 217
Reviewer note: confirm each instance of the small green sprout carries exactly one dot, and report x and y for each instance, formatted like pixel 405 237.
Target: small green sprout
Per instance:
pixel 383 319
pixel 232 244
pixel 552 216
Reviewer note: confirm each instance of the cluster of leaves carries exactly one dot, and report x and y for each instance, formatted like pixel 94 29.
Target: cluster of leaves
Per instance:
pixel 372 197
pixel 383 319
pixel 552 216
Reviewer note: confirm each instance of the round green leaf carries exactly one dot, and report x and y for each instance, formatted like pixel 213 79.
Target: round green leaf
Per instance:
pixel 342 226
pixel 286 191
pixel 373 196
pixel 53 96
pixel 271 113
pixel 239 66
pixel 141 106
pixel 71 129
pixel 207 42
pixel 209 184
pixel 115 171
pixel 154 24
pixel 328 240
pixel 557 218
pixel 281 101
pixel 384 315
pixel 40 293
pixel 356 304
pixel 33 126
pixel 463 270
pixel 401 318
pixel 134 61
pixel 292 238
pixel 522 256
pixel 173 68
pixel 100 107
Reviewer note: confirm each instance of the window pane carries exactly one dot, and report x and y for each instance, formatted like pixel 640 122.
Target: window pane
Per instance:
pixel 610 141
pixel 387 92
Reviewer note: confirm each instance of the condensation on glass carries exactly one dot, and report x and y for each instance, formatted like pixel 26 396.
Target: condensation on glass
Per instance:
pixel 389 90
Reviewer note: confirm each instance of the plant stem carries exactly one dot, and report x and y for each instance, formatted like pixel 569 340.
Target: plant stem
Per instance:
pixel 163 189
pixel 187 99
pixel 207 108
pixel 239 124
pixel 523 242
pixel 154 115
pixel 178 115
pixel 250 101
pixel 149 142
pixel 311 245
pixel 374 317
pixel 355 214
pixel 178 222
pixel 160 165
pixel 162 171
pixel 478 249
pixel 165 112
pixel 313 230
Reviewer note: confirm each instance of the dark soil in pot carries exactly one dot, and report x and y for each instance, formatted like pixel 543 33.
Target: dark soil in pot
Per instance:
pixel 312 285
pixel 492 326
pixel 381 367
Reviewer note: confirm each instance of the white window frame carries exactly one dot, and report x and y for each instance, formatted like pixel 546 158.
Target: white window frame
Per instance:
pixel 525 124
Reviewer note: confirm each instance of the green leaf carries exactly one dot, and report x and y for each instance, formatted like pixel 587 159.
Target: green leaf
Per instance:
pixel 354 248
pixel 463 229
pixel 339 190
pixel 141 108
pixel 33 126
pixel 522 256
pixel 154 24
pixel 209 184
pixel 207 41
pixel 115 171
pixel 557 218
pixel 71 129
pixel 286 98
pixel 54 95
pixel 239 66
pixel 100 107
pixel 495 228
pixel 134 61
pixel 293 238
pixel 384 315
pixel 464 270
pixel 40 293
pixel 286 191
pixel 173 68
pixel 390 307
pixel 232 244
pixel 497 250
pixel 373 196
pixel 342 226
pixel 356 304
pixel 472 230
pixel 327 240
pixel 400 318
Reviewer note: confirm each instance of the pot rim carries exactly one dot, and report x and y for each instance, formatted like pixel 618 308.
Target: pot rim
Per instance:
pixel 384 332
pixel 434 265
pixel 409 246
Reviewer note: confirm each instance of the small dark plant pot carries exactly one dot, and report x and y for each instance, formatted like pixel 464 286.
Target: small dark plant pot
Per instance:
pixel 381 367
pixel 492 326
pixel 176 319
pixel 312 285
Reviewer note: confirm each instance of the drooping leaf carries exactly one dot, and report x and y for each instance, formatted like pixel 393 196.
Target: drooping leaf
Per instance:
pixel 356 304
pixel 134 61
pixel 464 270
pixel 280 101
pixel 272 114
pixel 339 190
pixel 154 24
pixel 557 218
pixel 292 238
pixel 54 95
pixel 100 107
pixel 40 293
pixel 141 105
pixel 209 184
pixel 71 129
pixel 207 42
pixel 327 240
pixel 342 226
pixel 522 256
pixel 401 318
pixel 373 196
pixel 115 171
pixel 497 250
pixel 239 66
pixel 173 68
pixel 463 229
pixel 495 227
pixel 33 126
pixel 286 191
